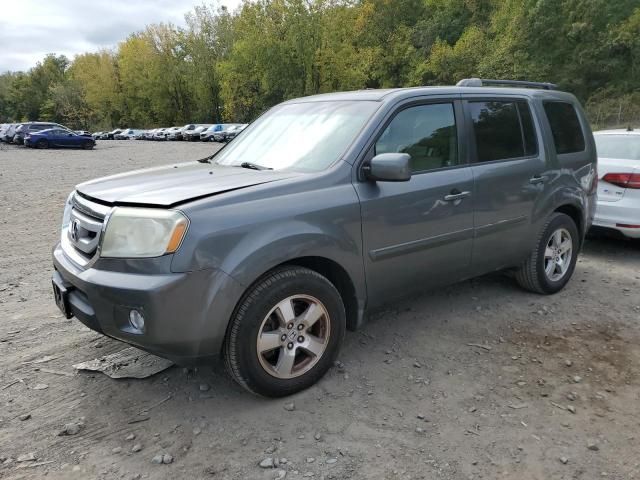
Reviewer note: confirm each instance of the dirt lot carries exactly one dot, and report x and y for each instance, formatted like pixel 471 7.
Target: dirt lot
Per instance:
pixel 478 380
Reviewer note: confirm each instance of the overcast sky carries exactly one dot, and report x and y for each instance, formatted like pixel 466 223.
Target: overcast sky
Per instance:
pixel 29 29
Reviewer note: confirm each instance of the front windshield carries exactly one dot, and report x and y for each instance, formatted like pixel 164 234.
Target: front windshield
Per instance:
pixel 619 147
pixel 307 136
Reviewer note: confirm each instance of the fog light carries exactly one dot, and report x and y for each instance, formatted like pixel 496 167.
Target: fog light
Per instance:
pixel 136 319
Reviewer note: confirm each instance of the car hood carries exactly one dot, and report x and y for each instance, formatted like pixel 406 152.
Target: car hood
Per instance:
pixel 175 184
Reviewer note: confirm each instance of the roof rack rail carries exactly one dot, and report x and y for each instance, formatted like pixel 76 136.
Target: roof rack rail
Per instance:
pixel 481 82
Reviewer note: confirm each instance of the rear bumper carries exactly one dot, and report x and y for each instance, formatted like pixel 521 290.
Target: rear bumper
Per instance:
pixel 620 216
pixel 186 314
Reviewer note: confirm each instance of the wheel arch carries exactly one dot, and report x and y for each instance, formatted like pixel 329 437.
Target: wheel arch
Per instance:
pixel 576 214
pixel 340 279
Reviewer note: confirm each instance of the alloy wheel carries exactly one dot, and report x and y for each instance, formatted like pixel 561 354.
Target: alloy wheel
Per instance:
pixel 293 336
pixel 558 254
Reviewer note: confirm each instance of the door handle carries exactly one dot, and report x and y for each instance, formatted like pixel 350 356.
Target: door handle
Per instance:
pixel 456 195
pixel 536 179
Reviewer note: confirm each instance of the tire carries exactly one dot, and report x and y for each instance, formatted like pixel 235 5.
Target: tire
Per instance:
pixel 87 145
pixel 258 318
pixel 42 144
pixel 541 273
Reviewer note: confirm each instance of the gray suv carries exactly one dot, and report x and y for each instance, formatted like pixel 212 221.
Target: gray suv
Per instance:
pixel 325 208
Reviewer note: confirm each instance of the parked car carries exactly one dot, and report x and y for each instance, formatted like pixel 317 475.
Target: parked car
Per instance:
pixel 83 133
pixel 230 134
pixel 187 128
pixel 3 130
pixel 194 134
pixel 141 134
pixel 96 135
pixel 174 133
pixel 9 132
pixel 160 134
pixel 265 252
pixel 619 186
pixel 31 127
pixel 218 135
pixel 112 134
pixel 58 137
pixel 206 135
pixel 126 134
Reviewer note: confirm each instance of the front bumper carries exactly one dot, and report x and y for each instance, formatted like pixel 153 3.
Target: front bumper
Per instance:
pixel 186 314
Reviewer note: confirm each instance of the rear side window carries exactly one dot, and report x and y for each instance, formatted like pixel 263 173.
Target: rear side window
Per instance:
pixel 565 127
pixel 503 130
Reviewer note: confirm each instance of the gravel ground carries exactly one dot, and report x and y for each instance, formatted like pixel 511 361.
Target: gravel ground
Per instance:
pixel 476 380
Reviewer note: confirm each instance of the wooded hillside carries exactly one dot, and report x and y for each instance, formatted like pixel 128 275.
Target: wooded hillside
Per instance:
pixel 231 66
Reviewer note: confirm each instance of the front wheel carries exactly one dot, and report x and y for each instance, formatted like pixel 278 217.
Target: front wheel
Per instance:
pixel 42 144
pixel 553 259
pixel 87 145
pixel 286 332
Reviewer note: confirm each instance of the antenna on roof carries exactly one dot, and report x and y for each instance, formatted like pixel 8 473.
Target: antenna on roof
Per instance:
pixel 481 82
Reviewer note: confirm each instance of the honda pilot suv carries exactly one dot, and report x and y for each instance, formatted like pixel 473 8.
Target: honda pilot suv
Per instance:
pixel 325 208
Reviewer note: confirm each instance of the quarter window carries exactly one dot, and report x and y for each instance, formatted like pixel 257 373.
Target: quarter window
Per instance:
pixel 427 133
pixel 565 127
pixel 503 130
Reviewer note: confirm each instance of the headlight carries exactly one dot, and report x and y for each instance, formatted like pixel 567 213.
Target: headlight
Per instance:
pixel 66 214
pixel 143 232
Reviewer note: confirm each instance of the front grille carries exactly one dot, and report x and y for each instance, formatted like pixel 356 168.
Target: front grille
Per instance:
pixel 81 238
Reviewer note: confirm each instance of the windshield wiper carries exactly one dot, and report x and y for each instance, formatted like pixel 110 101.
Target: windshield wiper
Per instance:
pixel 254 166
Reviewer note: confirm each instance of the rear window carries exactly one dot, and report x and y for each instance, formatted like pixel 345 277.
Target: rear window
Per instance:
pixel 620 147
pixel 503 130
pixel 565 127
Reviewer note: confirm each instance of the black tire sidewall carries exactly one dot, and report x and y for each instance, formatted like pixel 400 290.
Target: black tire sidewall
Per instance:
pixel 252 312
pixel 42 144
pixel 559 220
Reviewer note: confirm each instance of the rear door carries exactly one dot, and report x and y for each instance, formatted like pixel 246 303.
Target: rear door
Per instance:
pixel 510 175
pixel 415 234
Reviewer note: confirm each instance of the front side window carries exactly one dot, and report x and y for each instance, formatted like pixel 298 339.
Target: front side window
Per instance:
pixel 427 133
pixel 565 127
pixel 308 136
pixel 503 130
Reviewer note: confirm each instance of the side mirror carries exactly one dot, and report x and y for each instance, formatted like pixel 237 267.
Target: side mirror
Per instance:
pixel 389 167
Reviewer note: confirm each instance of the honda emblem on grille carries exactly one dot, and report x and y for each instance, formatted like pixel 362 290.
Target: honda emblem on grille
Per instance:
pixel 73 230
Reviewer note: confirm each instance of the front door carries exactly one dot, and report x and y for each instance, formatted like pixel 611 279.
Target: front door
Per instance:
pixel 59 138
pixel 418 233
pixel 510 175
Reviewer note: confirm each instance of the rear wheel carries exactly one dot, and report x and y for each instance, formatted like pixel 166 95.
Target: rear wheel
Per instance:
pixel 285 333
pixel 553 259
pixel 87 145
pixel 42 144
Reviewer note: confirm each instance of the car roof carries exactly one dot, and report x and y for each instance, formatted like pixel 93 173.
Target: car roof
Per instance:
pixel 620 131
pixel 395 94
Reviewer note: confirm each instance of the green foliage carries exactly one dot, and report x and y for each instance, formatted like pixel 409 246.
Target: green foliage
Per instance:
pixel 231 66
